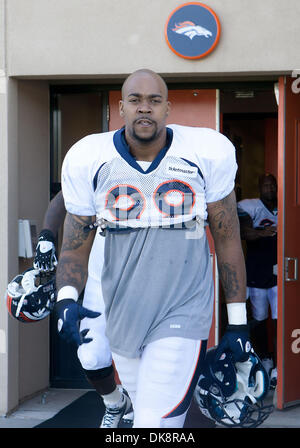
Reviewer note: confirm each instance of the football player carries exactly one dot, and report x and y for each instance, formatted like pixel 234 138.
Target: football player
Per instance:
pixel 258 219
pixel 93 351
pixel 154 188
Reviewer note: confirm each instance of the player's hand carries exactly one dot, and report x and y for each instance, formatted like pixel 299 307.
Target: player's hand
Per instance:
pixel 270 231
pixel 45 257
pixel 68 315
pixel 236 339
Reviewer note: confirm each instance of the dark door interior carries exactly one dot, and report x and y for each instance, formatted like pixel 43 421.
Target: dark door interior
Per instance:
pixel 75 113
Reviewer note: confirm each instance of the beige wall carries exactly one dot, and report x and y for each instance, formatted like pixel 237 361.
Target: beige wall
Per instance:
pixel 113 37
pixel 24 187
pixel 2 34
pixel 8 226
pixel 9 347
pixel 34 184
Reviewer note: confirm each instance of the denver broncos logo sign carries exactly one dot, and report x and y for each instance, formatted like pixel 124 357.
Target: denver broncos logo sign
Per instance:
pixel 192 30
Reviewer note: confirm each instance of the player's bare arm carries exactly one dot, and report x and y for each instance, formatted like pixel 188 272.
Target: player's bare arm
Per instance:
pixel 225 230
pixel 55 214
pixel 249 233
pixel 45 255
pixel 73 261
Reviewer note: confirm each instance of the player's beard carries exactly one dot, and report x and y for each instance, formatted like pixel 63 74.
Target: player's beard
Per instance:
pixel 145 138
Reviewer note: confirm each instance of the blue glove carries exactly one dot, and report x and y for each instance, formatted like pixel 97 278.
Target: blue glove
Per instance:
pixel 236 339
pixel 68 315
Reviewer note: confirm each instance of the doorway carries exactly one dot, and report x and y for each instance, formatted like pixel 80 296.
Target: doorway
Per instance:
pixel 76 111
pixel 250 121
pixel 248 117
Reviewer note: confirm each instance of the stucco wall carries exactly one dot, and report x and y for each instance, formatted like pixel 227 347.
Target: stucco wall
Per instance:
pixel 34 186
pixel 100 37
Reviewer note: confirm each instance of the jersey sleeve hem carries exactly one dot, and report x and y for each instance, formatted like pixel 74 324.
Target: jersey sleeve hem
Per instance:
pixel 219 195
pixel 80 211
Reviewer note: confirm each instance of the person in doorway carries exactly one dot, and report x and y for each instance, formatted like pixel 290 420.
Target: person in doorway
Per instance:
pixel 95 356
pixel 258 221
pixel 153 187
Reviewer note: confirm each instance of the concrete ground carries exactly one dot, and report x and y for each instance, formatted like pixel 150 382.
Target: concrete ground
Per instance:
pixel 46 404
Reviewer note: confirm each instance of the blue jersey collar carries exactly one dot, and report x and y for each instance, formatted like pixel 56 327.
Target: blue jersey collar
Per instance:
pixel 123 149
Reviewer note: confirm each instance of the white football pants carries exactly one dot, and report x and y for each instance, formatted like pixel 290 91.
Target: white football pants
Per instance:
pixel 161 382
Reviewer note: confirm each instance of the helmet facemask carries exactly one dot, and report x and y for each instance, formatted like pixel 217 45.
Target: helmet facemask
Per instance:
pixel 232 393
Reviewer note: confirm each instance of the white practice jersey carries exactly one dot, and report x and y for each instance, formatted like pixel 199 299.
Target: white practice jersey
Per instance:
pixel 157 279
pixel 261 253
pixel 261 216
pixel 197 166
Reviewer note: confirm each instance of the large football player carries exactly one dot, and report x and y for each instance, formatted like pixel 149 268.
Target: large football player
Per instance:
pixel 154 188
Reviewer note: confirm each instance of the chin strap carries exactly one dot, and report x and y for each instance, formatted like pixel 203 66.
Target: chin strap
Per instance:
pixel 20 304
pixel 28 284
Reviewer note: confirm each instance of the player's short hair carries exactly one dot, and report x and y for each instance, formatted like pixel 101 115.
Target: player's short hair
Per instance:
pixel 265 176
pixel 149 72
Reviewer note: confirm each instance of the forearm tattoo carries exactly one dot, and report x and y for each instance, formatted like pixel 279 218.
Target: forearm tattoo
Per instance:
pixel 224 226
pixel 70 273
pixel 73 261
pixel 229 280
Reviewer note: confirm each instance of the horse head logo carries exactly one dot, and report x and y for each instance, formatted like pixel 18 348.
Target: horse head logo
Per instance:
pixel 191 30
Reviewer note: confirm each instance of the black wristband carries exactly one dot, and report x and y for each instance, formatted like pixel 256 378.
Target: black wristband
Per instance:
pixel 100 373
pixel 46 235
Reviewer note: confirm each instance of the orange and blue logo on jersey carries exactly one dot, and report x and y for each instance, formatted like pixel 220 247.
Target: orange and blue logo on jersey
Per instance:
pixel 192 30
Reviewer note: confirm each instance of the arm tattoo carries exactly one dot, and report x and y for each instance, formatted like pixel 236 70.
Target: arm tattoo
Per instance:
pixel 70 273
pixel 224 226
pixel 72 268
pixel 74 235
pixel 223 219
pixel 229 280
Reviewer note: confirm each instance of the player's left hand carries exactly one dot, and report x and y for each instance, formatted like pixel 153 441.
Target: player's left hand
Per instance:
pixel 45 257
pixel 236 339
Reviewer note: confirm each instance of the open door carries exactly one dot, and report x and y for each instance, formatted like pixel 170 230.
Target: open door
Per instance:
pixel 190 107
pixel 288 389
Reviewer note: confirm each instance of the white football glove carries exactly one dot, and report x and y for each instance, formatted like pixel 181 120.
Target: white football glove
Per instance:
pixel 45 257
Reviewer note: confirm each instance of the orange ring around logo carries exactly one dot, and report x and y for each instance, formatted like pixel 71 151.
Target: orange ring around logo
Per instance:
pixel 216 38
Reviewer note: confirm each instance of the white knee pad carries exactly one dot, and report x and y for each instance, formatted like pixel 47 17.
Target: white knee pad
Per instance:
pixel 95 354
pixel 94 357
